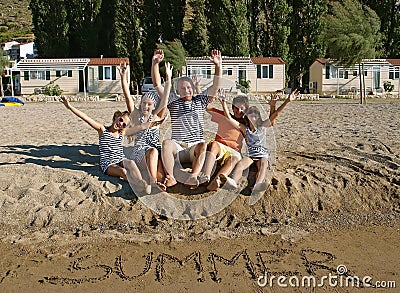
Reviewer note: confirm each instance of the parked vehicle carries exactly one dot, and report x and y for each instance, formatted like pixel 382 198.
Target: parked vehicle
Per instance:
pixel 147 85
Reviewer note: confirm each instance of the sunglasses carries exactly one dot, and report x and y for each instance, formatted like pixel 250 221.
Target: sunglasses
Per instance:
pixel 253 111
pixel 123 123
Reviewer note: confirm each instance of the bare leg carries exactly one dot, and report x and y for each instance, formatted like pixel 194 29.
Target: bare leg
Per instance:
pixel 168 155
pixel 199 157
pixel 260 184
pixel 151 158
pixel 226 169
pixel 197 164
pixel 262 166
pixel 242 165
pixel 117 171
pixel 213 151
pixel 134 177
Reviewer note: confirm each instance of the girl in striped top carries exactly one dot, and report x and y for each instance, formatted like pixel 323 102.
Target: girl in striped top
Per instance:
pixel 145 123
pixel 112 159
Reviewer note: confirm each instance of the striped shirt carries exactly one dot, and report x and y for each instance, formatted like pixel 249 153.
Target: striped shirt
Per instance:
pixel 111 150
pixel 256 143
pixel 187 118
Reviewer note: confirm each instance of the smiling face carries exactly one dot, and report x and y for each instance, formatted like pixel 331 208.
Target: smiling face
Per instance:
pixel 185 89
pixel 121 122
pixel 239 109
pixel 254 116
pixel 147 105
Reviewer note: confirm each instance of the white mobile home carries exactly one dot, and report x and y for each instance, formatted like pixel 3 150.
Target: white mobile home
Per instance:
pixel 266 74
pixel 73 75
pixel 327 78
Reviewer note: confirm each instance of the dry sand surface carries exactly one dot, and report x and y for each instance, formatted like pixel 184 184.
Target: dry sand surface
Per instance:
pixel 333 200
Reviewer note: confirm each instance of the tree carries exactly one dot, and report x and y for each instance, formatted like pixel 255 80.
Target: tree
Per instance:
pixel 175 54
pixel 304 42
pixel 389 14
pixel 4 63
pixel 171 19
pixel 351 33
pixel 51 27
pixel 128 36
pixel 196 37
pixel 83 32
pixel 228 26
pixel 105 24
pixel 151 31
pixel 275 28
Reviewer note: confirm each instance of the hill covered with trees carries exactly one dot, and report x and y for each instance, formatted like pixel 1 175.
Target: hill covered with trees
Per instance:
pixel 15 20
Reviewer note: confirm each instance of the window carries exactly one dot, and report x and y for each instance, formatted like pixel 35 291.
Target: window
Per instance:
pixel 327 72
pixel 227 71
pixel 394 73
pixel 107 72
pixel 37 75
pixel 265 71
pixel 200 71
pixel 60 73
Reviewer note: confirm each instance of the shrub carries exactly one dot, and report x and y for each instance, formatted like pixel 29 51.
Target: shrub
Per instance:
pixel 388 86
pixel 52 89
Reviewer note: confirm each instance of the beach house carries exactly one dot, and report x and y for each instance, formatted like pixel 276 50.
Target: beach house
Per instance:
pixel 260 74
pixel 73 75
pixel 329 79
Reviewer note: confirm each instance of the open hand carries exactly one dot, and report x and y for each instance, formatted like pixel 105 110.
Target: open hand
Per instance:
pixel 216 57
pixel 122 68
pixel 168 70
pixel 294 95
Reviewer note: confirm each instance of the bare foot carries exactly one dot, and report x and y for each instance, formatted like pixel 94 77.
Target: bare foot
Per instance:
pixel 159 186
pixel 214 184
pixel 169 181
pixel 192 182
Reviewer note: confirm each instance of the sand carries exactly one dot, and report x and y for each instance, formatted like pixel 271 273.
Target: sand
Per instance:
pixel 333 200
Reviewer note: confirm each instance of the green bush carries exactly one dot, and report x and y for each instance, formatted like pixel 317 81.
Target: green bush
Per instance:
pixel 52 89
pixel 388 86
pixel 244 86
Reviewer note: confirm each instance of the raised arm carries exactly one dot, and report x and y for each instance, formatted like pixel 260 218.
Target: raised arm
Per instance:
pixel 98 126
pixel 162 107
pixel 123 69
pixel 158 56
pixel 228 116
pixel 215 58
pixel 293 96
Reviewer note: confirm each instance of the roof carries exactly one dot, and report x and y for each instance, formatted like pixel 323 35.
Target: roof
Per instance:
pixel 323 61
pixel 108 61
pixel 395 62
pixel 267 60
pixel 52 64
pixel 237 60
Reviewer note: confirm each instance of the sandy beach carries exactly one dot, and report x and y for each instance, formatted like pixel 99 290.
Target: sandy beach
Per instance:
pixel 333 200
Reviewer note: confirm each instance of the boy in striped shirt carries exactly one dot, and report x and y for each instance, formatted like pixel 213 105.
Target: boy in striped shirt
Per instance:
pixel 187 142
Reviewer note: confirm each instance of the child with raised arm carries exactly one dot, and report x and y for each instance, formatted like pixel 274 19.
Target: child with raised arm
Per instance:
pixel 254 132
pixel 145 123
pixel 112 158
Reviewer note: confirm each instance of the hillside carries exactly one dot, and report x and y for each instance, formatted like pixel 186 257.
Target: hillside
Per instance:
pixel 15 20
